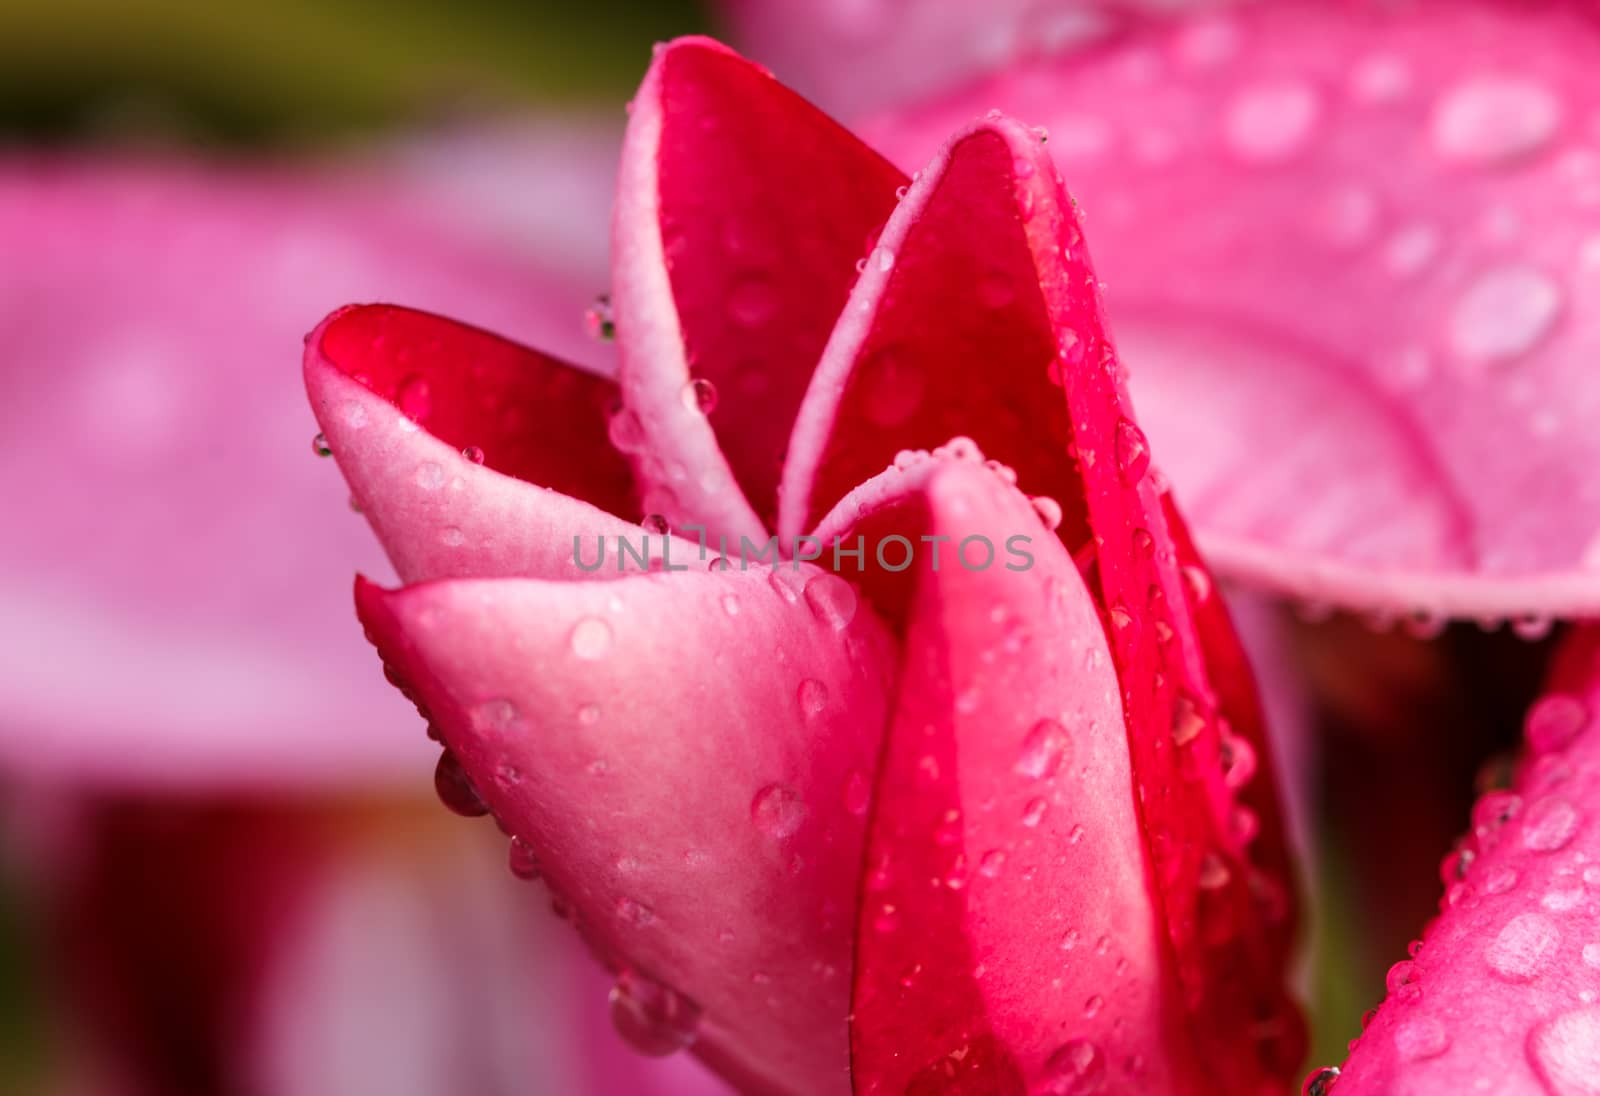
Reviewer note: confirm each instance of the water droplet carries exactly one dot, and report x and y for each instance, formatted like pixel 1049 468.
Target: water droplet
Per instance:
pixel 1504 313
pixel 1049 511
pixel 1564 1052
pixel 524 864
pixel 1238 760
pixel 1196 583
pixel 730 604
pixel 1214 872
pixel 589 714
pixel 1402 982
pixel 700 395
pixel 1421 1038
pixel 1549 824
pixel 474 454
pixel 1133 452
pixel 1092 1007
pixel 591 638
pixel 1033 813
pixel 1271 122
pixel 455 788
pixel 1495 119
pixel 777 811
pixel 1043 750
pixel 832 601
pixel 1554 721
pixel 415 398
pixel 1321 1082
pixel 813 697
pixel 452 537
pixel 320 446
pixel 624 431
pixel 1187 721
pixel 1075 1068
pixel 991 862
pixel 652 1018
pixel 598 320
pixel 429 476
pixel 1523 947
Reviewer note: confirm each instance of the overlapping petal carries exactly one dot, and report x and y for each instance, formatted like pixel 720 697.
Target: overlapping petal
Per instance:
pixel 1368 371
pixel 699 810
pixel 741 213
pixel 1501 991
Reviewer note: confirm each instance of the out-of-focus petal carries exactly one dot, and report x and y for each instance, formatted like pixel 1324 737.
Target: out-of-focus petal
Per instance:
pixel 468 454
pixel 166 618
pixel 1009 933
pixel 851 55
pixel 690 756
pixel 741 213
pixel 1504 984
pixel 1347 253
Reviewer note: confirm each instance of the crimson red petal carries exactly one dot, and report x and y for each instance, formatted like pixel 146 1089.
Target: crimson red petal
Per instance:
pixel 469 454
pixel 981 316
pixel 741 213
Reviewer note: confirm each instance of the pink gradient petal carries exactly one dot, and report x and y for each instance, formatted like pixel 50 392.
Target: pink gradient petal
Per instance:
pixel 987 313
pixel 1350 254
pixel 1008 931
pixel 469 455
pixel 1505 982
pixel 741 212
pixel 855 54
pixel 166 613
pixel 591 715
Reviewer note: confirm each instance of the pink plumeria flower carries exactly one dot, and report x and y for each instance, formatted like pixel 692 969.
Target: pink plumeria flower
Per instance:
pixel 835 821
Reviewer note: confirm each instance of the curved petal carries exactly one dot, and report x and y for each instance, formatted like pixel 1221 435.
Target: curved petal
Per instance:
pixel 469 455
pixel 1348 255
pixel 986 264
pixel 1005 829
pixel 1505 981
pixel 176 550
pixel 741 212
pixel 853 55
pixel 590 715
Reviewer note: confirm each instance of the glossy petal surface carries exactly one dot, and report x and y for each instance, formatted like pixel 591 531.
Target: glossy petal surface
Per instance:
pixel 592 717
pixel 1350 253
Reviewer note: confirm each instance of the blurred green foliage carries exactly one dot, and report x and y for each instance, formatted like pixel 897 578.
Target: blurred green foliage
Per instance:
pixel 299 70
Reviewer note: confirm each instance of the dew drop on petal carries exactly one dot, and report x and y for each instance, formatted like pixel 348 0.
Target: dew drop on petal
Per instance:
pixel 1494 119
pixel 812 697
pixel 1564 1052
pixel 1421 1038
pixel 1504 313
pixel 1321 1082
pixel 1523 947
pixel 1554 721
pixel 857 792
pixel 1033 813
pixel 320 446
pixel 832 601
pixel 700 395
pixel 1074 1069
pixel 652 1018
pixel 1049 511
pixel 455 788
pixel 1187 721
pixel 1270 122
pixel 1133 452
pixel 1043 750
pixel 429 476
pixel 777 811
pixel 524 864
pixel 474 454
pixel 1549 824
pixel 591 638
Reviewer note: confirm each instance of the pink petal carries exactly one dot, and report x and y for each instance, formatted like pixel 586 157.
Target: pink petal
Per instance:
pixel 850 55
pixel 1505 982
pixel 1348 256
pixel 590 716
pixel 469 455
pixel 741 211
pixel 985 320
pixel 167 618
pixel 1008 928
